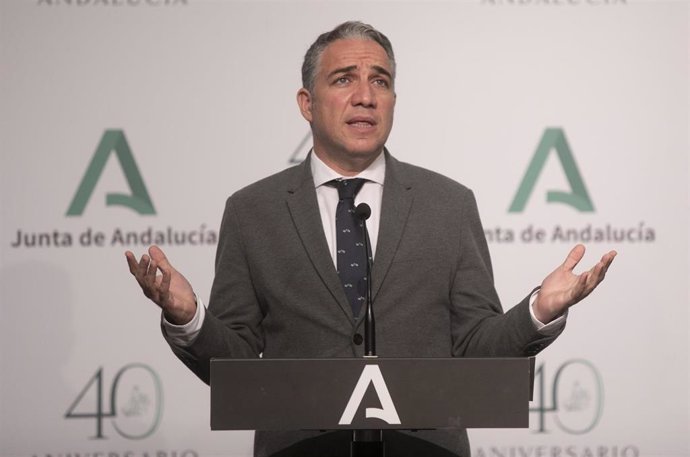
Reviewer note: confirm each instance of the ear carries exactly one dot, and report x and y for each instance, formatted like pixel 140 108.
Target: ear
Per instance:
pixel 304 103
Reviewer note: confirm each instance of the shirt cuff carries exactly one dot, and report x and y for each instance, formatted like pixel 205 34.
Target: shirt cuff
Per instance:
pixel 553 327
pixel 185 334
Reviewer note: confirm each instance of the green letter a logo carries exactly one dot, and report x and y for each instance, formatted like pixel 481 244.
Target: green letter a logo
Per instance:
pixel 139 200
pixel 553 138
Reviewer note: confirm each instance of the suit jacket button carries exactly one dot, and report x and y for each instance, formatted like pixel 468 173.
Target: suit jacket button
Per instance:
pixel 357 339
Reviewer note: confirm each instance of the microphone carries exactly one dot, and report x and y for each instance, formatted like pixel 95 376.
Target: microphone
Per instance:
pixel 363 212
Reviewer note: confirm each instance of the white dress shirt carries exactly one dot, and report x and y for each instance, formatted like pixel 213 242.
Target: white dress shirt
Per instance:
pixel 327 196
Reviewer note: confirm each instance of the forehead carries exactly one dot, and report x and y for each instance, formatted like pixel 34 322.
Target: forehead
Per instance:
pixel 353 52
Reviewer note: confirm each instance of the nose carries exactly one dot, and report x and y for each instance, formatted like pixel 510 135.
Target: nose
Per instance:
pixel 364 95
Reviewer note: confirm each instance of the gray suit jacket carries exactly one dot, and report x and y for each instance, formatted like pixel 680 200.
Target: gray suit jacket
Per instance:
pixel 277 293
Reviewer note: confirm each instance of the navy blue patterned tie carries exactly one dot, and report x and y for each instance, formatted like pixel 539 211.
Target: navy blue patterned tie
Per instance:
pixel 351 258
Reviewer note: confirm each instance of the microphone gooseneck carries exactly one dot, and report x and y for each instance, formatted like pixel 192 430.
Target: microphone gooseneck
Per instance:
pixel 363 212
pixel 367 442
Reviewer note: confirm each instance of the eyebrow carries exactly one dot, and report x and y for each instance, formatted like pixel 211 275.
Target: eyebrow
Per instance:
pixel 342 70
pixel 378 68
pixel 383 71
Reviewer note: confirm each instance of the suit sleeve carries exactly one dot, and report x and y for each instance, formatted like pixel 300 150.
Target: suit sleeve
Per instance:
pixel 479 326
pixel 232 325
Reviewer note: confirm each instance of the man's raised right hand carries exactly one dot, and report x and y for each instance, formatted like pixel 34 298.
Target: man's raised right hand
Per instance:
pixel 169 290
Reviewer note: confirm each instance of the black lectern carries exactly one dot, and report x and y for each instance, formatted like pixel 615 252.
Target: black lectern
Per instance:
pixel 370 393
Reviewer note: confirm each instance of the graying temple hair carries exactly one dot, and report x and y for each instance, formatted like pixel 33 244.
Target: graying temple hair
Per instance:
pixel 346 30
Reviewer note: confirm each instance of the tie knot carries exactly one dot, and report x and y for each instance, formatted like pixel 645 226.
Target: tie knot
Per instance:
pixel 348 188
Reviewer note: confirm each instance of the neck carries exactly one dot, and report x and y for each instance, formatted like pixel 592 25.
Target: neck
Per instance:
pixel 352 166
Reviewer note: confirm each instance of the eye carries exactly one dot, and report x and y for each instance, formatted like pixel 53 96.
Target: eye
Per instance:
pixel 342 80
pixel 381 82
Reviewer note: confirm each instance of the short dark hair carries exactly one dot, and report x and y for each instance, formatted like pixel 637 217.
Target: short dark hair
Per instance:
pixel 346 30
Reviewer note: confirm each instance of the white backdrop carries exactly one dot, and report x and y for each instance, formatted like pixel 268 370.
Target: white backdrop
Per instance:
pixel 203 93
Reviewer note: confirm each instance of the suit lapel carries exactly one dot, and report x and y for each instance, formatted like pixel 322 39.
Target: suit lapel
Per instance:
pixel 395 209
pixel 304 210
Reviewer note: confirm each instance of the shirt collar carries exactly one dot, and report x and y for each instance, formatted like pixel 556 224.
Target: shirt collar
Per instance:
pixel 376 172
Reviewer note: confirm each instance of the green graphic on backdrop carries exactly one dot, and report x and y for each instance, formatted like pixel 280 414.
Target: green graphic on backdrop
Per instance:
pixel 578 198
pixel 138 200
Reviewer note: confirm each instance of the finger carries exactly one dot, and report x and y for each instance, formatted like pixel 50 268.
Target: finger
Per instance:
pixel 598 273
pixel 160 260
pixel 150 278
pixel 582 287
pixel 158 255
pixel 132 262
pixel 599 270
pixel 135 268
pixel 144 264
pixel 595 276
pixel 140 268
pixel 607 259
pixel 574 257
pixel 165 286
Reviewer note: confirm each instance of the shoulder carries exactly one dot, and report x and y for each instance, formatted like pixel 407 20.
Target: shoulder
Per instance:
pixel 273 188
pixel 425 182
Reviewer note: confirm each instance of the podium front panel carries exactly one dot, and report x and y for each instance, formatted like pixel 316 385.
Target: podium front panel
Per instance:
pixel 329 394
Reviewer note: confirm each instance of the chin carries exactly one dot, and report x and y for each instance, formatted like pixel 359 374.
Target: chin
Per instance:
pixel 364 154
pixel 365 150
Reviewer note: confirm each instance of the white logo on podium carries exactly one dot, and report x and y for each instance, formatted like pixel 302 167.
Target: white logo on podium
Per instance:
pixel 388 414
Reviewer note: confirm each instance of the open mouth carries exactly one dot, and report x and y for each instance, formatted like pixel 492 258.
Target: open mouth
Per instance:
pixel 362 123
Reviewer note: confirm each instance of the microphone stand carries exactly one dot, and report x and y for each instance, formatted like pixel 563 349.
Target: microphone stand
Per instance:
pixel 367 443
pixel 369 321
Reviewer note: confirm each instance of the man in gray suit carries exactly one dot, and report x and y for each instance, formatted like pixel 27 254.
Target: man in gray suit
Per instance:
pixel 277 290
